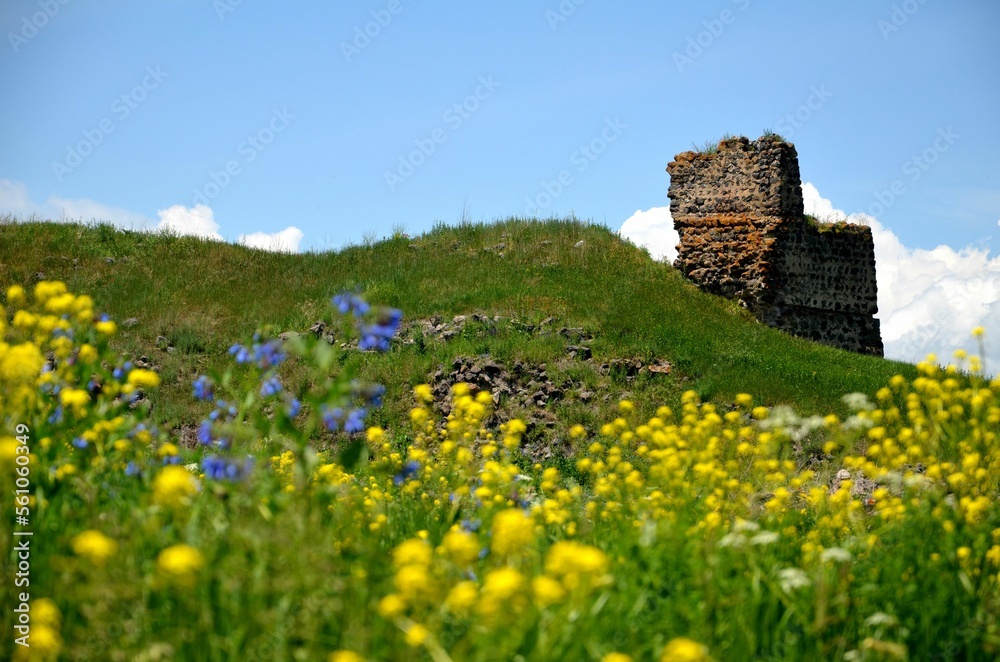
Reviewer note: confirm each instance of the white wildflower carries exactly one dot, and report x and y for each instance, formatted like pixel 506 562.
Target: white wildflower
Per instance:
pixel 742 525
pixel 792 579
pixel 858 401
pixel 765 538
pixel 880 618
pixel 837 554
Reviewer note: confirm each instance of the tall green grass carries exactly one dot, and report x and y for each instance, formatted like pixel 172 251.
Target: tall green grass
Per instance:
pixel 202 296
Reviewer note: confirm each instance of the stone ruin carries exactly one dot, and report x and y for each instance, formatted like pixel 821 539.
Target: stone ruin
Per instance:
pixel 744 235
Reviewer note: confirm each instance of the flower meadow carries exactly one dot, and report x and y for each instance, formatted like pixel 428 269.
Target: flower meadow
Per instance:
pixel 294 529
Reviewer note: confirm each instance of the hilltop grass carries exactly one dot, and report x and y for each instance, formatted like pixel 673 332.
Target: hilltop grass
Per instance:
pixel 203 296
pixel 699 533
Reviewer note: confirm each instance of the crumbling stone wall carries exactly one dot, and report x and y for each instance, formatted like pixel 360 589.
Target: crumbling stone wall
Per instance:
pixel 743 235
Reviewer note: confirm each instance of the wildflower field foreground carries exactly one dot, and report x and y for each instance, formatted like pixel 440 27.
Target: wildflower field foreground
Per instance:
pixel 296 530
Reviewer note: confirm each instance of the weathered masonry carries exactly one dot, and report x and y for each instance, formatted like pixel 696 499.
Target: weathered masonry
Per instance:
pixel 744 235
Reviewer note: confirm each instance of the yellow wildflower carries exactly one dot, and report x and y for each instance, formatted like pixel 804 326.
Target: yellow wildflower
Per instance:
pixel 106 327
pixel 76 399
pixel 15 295
pixel 45 642
pixel 423 393
pixel 412 552
pixel 87 354
pixel 8 451
pixel 20 363
pixel 45 612
pixel 174 487
pixel 391 605
pixel 461 597
pixel 417 634
pixel 462 547
pixel 683 649
pixel 94 546
pixel 575 563
pixel 344 656
pixel 47 289
pixel 179 565
pixel 414 583
pixel 513 530
pixel 167 450
pixel 143 378
pixel 547 591
pixel 500 589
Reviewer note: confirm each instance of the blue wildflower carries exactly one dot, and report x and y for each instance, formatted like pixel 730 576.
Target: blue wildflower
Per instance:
pixel 350 303
pixel 80 442
pixel 122 371
pixel 292 407
pixel 132 469
pixel 269 354
pixel 241 353
pixel 371 394
pixel 171 459
pixel 204 388
pixel 228 469
pixel 471 525
pixel 355 420
pixel 205 430
pixel 271 386
pixel 408 470
pixel 56 416
pixel 376 336
pixel 333 418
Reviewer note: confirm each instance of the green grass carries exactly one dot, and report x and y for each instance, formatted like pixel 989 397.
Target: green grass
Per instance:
pixel 202 296
pixel 664 533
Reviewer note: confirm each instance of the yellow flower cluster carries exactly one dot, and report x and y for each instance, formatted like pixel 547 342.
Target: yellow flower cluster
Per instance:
pixel 45 640
pixel 683 649
pixel 179 565
pixel 513 532
pixel 577 566
pixel 174 487
pixel 94 546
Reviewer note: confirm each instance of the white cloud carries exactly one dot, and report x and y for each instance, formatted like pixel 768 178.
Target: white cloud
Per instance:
pixel 14 199
pixel 198 221
pixel 87 210
pixel 818 206
pixel 929 300
pixel 285 241
pixel 654 229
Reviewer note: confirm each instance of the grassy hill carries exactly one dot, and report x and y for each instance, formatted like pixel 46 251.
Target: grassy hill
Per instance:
pixel 622 499
pixel 199 297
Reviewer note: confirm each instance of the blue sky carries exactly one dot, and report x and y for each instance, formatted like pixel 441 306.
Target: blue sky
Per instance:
pixel 320 123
